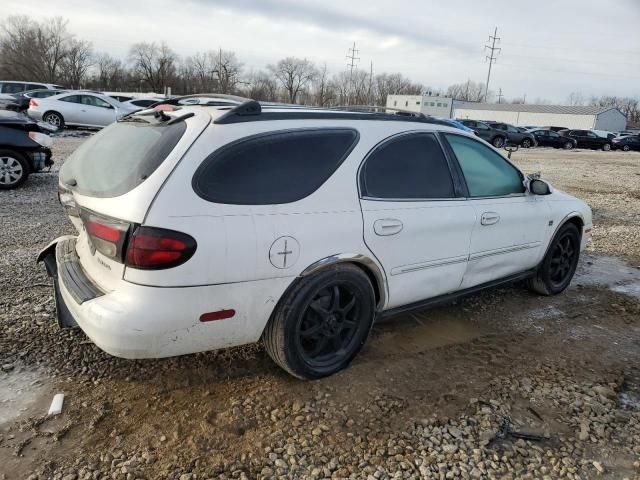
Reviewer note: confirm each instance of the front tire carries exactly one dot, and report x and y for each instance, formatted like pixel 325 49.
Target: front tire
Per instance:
pixel 559 264
pixel 321 323
pixel 498 142
pixel 606 147
pixel 568 146
pixel 625 148
pixel 14 169
pixel 526 143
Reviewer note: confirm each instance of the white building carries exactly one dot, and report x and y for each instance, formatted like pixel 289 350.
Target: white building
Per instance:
pixel 429 105
pixel 597 118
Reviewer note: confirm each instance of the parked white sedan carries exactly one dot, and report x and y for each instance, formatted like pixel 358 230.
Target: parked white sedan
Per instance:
pixel 206 227
pixel 81 109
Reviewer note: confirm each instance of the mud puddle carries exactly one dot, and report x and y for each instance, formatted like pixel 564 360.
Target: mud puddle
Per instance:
pixel 611 272
pixel 425 330
pixel 20 392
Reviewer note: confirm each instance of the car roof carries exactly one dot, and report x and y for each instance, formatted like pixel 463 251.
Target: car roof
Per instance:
pixel 9 117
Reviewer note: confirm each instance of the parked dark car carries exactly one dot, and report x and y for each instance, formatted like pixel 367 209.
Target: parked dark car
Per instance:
pixel 24 149
pixel 514 135
pixel 19 102
pixel 588 139
pixel 549 138
pixel 555 129
pixel 495 137
pixel 630 142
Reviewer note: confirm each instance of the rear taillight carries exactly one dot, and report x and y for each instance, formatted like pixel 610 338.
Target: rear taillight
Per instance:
pixel 153 248
pixel 33 103
pixel 107 235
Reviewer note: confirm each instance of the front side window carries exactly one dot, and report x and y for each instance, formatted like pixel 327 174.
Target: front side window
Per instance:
pixel 407 167
pixel 482 126
pixel 35 86
pixel 274 168
pixel 486 172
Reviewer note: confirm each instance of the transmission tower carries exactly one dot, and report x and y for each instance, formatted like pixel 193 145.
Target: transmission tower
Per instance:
pixel 353 63
pixel 491 58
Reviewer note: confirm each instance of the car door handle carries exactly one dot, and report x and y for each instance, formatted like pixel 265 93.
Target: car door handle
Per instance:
pixel 489 218
pixel 387 226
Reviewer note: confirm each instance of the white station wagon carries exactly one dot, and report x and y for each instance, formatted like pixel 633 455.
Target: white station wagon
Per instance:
pixel 202 228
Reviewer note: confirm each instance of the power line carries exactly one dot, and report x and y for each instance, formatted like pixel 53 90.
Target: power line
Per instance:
pixel 491 58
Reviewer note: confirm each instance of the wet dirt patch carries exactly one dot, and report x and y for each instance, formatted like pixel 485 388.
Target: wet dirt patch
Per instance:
pixel 611 272
pixel 20 391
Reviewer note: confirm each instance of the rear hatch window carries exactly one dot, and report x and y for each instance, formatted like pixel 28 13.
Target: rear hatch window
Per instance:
pixel 120 157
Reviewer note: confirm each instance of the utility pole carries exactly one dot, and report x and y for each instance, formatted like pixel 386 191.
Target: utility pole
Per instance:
pixel 491 58
pixel 500 95
pixel 353 63
pixel 371 101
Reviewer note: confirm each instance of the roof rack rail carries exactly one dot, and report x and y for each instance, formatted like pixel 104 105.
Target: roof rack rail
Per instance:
pixel 253 111
pixel 377 109
pixel 217 99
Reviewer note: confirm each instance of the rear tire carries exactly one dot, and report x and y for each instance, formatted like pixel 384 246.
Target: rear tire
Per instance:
pixel 54 118
pixel 321 323
pixel 568 146
pixel 606 147
pixel 559 264
pixel 526 143
pixel 625 148
pixel 14 169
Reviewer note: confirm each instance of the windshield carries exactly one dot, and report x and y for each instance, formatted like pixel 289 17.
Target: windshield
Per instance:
pixel 120 157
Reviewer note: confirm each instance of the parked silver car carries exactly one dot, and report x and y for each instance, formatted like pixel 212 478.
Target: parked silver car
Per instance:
pixel 79 108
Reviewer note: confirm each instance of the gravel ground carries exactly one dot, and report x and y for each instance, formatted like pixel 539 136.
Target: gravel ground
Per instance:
pixel 504 384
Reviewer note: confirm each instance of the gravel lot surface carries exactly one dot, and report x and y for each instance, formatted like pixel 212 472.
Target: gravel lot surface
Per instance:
pixel 504 384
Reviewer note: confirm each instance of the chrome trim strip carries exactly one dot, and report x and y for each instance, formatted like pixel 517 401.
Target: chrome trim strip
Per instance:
pixel 355 258
pixel 516 248
pixel 431 264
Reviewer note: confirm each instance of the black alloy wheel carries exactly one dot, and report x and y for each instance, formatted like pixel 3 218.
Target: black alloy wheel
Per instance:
pixel 526 143
pixel 563 258
pixel 322 322
pixel 327 328
pixel 556 270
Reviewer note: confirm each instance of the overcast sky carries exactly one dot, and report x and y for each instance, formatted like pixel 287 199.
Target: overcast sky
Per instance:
pixel 549 48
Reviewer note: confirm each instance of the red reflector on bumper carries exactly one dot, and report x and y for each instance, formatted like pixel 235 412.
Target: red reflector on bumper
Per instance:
pixel 219 315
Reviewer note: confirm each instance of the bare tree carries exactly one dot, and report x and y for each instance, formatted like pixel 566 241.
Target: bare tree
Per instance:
pixel 110 73
pixel 294 74
pixel 33 50
pixel 468 91
pixel 262 86
pixel 394 84
pixel 576 98
pixel 76 63
pixel 154 64
pixel 228 70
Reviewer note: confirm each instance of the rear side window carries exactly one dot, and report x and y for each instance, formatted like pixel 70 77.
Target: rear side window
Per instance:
pixel 486 172
pixel 407 167
pixel 273 168
pixel 120 157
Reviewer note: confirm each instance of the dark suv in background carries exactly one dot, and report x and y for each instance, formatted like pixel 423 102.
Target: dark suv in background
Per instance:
pixel 515 136
pixel 495 137
pixel 549 138
pixel 588 139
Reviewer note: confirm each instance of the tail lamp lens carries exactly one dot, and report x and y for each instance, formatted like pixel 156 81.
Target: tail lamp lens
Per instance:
pixel 153 248
pixel 33 103
pixel 107 235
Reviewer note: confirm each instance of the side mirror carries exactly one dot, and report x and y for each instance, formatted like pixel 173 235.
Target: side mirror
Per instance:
pixel 539 187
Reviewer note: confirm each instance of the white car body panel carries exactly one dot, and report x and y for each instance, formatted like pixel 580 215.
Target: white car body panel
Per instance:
pixel 441 247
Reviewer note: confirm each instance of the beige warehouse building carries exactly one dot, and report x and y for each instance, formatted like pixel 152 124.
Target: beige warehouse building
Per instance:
pixel 579 117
